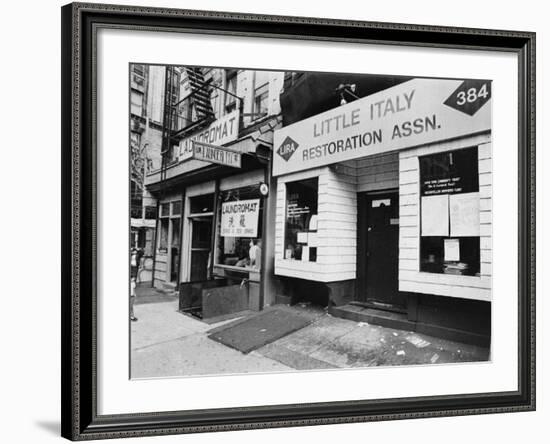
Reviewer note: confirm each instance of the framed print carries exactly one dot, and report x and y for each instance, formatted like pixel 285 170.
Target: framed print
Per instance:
pixel 280 221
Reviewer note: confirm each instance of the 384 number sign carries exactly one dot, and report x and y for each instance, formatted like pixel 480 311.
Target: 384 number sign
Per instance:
pixel 470 96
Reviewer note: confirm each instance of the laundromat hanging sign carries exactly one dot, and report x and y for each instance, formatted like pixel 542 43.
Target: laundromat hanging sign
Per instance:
pixel 414 113
pixel 240 218
pixel 221 131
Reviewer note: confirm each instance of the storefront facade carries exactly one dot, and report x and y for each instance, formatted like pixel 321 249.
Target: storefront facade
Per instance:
pixel 213 199
pixel 384 208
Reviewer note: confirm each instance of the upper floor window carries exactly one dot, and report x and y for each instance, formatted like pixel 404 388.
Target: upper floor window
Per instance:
pixel 230 95
pixel 136 103
pixel 139 70
pixel 261 101
pixel 215 101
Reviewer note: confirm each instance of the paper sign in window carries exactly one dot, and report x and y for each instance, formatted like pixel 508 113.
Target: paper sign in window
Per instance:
pixel 301 238
pixel 313 222
pixel 464 209
pixel 305 254
pixel 312 240
pixel 381 202
pixel 435 215
pixel 451 250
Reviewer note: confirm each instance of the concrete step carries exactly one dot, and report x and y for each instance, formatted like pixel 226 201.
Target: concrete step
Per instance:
pixel 373 316
pixel 399 321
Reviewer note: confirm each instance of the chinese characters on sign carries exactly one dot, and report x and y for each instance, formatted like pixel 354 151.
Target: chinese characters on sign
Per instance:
pixel 240 218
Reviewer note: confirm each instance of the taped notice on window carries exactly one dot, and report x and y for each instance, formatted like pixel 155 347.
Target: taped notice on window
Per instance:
pixel 435 215
pixel 302 238
pixel 312 240
pixel 451 250
pixel 464 210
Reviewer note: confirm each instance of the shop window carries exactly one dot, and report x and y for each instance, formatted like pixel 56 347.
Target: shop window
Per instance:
pixel 261 101
pixel 202 204
pixel 176 208
pixel 301 220
pixel 239 228
pixel 169 225
pixel 150 212
pixel 163 235
pixel 165 210
pixel 449 186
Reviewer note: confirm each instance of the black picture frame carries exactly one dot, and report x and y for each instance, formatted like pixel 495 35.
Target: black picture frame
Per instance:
pixel 80 420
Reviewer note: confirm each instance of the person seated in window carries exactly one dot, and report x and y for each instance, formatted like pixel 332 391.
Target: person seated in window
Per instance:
pixel 241 251
pixel 255 253
pixel 244 262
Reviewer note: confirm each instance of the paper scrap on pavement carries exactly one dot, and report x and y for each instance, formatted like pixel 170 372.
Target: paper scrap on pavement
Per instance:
pixel 417 341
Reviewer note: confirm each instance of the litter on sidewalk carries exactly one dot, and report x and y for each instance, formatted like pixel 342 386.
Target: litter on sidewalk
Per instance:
pixel 417 341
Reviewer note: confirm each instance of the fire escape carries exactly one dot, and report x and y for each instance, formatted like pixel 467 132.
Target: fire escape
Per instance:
pixel 182 117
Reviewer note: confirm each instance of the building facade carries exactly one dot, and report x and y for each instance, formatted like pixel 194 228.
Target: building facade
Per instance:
pixel 369 195
pixel 228 113
pixel 384 208
pixel 146 110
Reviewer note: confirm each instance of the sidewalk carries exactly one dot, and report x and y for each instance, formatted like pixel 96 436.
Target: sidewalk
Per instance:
pixel 332 342
pixel 166 343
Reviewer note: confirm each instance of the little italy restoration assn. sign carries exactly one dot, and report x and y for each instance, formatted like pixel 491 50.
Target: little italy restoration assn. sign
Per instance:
pixel 414 113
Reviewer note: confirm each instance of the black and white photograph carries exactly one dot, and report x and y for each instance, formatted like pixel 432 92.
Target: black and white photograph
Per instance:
pixel 275 222
pixel 291 221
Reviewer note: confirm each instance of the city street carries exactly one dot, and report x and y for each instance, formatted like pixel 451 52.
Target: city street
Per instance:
pixel 168 343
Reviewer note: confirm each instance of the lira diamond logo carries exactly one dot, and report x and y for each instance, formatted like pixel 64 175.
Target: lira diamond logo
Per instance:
pixel 287 148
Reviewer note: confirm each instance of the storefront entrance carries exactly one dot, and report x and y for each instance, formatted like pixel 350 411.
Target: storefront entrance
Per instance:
pixel 378 249
pixel 201 237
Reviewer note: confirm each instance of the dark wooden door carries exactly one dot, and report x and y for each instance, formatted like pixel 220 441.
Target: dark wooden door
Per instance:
pixel 381 248
pixel 201 234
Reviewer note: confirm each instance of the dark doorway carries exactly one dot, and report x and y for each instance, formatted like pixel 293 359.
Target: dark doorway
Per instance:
pixel 201 236
pixel 175 250
pixel 378 249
